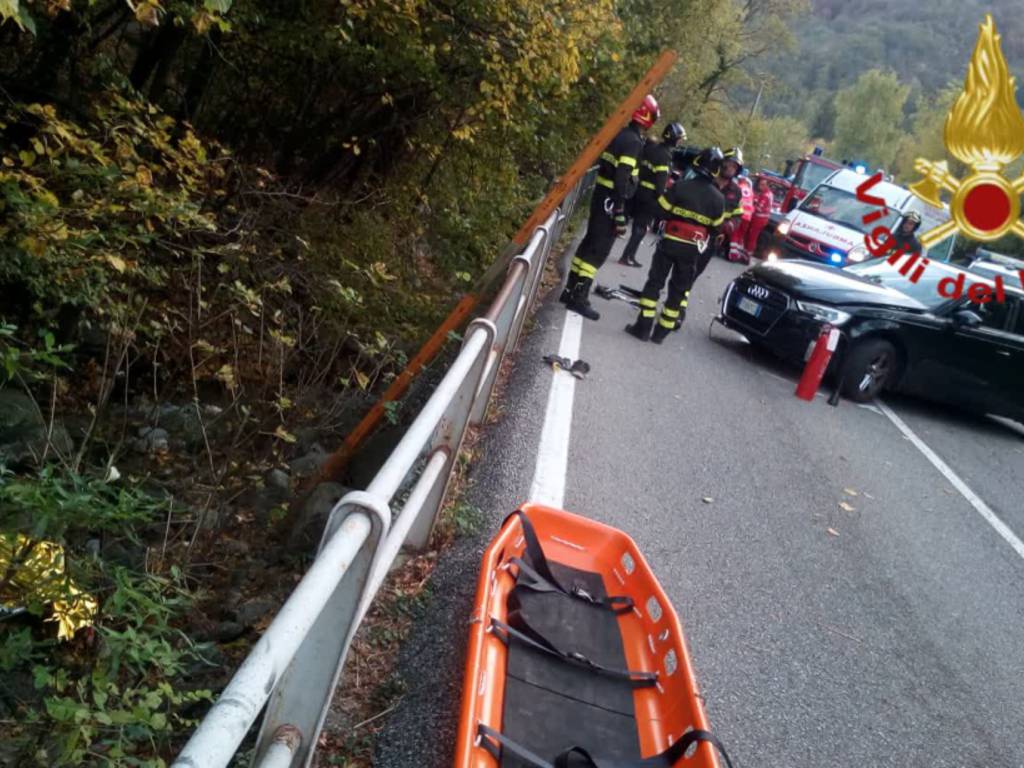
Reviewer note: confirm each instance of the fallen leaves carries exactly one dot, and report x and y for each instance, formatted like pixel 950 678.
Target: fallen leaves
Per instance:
pixel 708 500
pixel 849 492
pixel 846 507
pixel 832 531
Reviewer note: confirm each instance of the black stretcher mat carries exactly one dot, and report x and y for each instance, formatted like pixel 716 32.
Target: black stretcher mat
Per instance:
pixel 550 705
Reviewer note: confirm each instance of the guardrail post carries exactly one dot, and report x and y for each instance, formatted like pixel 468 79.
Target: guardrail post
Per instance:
pixel 449 435
pixel 303 695
pixel 535 266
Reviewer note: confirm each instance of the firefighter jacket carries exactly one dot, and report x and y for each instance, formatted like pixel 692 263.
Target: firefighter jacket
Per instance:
pixel 619 167
pixel 905 243
pixel 733 206
pixel 693 209
pixel 654 164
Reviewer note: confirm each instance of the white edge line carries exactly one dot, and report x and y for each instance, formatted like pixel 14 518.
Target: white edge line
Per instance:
pixel 548 485
pixel 983 509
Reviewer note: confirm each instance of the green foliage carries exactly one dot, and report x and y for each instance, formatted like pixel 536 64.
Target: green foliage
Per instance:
pixel 119 691
pixel 95 211
pixel 869 118
pixel 18 361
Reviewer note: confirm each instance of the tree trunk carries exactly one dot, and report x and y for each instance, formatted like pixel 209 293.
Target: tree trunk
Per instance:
pixel 200 79
pixel 159 45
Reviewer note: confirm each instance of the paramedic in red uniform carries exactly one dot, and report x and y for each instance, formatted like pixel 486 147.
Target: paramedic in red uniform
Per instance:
pixel 617 174
pixel 692 210
pixel 738 244
pixel 763 202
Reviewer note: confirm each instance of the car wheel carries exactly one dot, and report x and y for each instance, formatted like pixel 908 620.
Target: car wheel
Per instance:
pixel 870 367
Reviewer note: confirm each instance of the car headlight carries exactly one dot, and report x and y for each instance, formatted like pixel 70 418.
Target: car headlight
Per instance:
pixel 858 254
pixel 822 312
pixel 784 227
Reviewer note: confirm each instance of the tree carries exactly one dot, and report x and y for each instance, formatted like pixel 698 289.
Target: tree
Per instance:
pixel 773 140
pixel 925 139
pixel 869 118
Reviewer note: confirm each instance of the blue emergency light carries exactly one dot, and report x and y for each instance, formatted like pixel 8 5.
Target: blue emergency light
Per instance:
pixel 836 257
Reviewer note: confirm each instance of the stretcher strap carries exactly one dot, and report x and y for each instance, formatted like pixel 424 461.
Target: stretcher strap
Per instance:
pixel 530 637
pixel 541 579
pixel 530 579
pixel 578 757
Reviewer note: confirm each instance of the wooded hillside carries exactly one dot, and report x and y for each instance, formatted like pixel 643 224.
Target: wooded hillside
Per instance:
pixel 223 228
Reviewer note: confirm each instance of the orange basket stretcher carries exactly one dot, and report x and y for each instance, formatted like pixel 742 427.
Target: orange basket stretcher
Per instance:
pixel 576 658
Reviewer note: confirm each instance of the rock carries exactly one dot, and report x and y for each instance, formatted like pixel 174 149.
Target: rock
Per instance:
pixel 310 464
pixel 305 534
pixel 184 423
pixel 126 554
pixel 235 546
pixel 251 612
pixel 23 431
pixel 152 440
pixel 278 479
pixel 226 631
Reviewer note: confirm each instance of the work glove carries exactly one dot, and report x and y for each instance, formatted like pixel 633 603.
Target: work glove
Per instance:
pixel 620 223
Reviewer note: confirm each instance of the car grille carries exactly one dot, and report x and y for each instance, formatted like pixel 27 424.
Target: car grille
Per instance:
pixel 774 304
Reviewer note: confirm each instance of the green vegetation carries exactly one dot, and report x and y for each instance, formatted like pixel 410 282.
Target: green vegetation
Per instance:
pixel 115 693
pixel 223 227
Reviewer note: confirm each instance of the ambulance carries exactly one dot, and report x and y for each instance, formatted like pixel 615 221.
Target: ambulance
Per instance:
pixel 828 224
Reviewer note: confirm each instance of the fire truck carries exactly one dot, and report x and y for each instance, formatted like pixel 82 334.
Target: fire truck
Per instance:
pixel 805 174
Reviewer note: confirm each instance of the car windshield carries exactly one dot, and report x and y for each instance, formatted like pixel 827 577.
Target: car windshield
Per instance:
pixel 844 208
pixel 925 290
pixel 811 175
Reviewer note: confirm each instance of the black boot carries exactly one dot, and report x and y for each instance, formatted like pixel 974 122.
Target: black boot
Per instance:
pixel 578 301
pixel 679 320
pixel 660 332
pixel 641 329
pixel 569 285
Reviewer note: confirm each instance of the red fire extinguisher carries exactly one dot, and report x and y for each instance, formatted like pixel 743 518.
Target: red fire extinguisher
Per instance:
pixel 814 370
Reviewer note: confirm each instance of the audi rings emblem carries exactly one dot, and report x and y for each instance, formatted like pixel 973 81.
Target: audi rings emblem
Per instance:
pixel 758 292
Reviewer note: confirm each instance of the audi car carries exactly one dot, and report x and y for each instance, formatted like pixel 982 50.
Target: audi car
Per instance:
pixel 895 334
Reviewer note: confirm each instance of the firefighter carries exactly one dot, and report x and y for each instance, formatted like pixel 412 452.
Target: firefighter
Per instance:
pixel 654 170
pixel 905 236
pixel 725 182
pixel 617 176
pixel 732 164
pixel 692 210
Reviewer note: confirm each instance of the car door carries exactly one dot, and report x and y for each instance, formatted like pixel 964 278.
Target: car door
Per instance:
pixel 988 357
pixel 1010 350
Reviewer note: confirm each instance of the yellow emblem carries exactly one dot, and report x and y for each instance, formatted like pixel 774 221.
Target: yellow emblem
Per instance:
pixel 985 130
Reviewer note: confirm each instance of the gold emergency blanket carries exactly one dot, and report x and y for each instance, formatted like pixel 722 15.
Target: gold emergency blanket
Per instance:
pixel 33 572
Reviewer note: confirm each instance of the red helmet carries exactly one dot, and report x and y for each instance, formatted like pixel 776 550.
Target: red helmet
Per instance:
pixel 647 114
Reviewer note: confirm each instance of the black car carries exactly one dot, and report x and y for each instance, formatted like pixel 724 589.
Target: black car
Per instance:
pixel 895 334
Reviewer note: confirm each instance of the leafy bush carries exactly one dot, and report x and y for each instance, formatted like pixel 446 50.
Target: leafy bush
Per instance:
pixel 120 691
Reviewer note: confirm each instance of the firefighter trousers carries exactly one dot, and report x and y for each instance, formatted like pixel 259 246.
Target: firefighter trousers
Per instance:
pixel 642 220
pixel 593 250
pixel 678 262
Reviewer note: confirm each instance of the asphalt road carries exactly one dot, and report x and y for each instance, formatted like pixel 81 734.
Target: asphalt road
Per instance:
pixel 889 634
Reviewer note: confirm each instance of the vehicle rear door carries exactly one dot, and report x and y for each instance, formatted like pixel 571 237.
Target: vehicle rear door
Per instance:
pixel 1010 352
pixel 986 359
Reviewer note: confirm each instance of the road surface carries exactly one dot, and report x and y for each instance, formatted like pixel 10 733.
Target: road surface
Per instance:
pixel 891 633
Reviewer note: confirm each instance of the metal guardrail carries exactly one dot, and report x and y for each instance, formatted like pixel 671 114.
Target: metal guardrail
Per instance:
pixel 293 669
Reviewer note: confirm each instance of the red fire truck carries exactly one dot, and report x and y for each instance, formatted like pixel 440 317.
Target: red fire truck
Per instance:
pixel 806 173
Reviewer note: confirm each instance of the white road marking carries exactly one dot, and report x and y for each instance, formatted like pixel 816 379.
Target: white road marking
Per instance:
pixel 983 509
pixel 548 485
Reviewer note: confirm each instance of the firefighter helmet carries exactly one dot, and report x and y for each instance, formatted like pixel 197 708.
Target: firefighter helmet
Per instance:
pixel 647 113
pixel 708 162
pixel 735 154
pixel 673 134
pixel 913 216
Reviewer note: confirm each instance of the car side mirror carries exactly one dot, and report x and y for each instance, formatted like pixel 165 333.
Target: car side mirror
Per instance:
pixel 965 318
